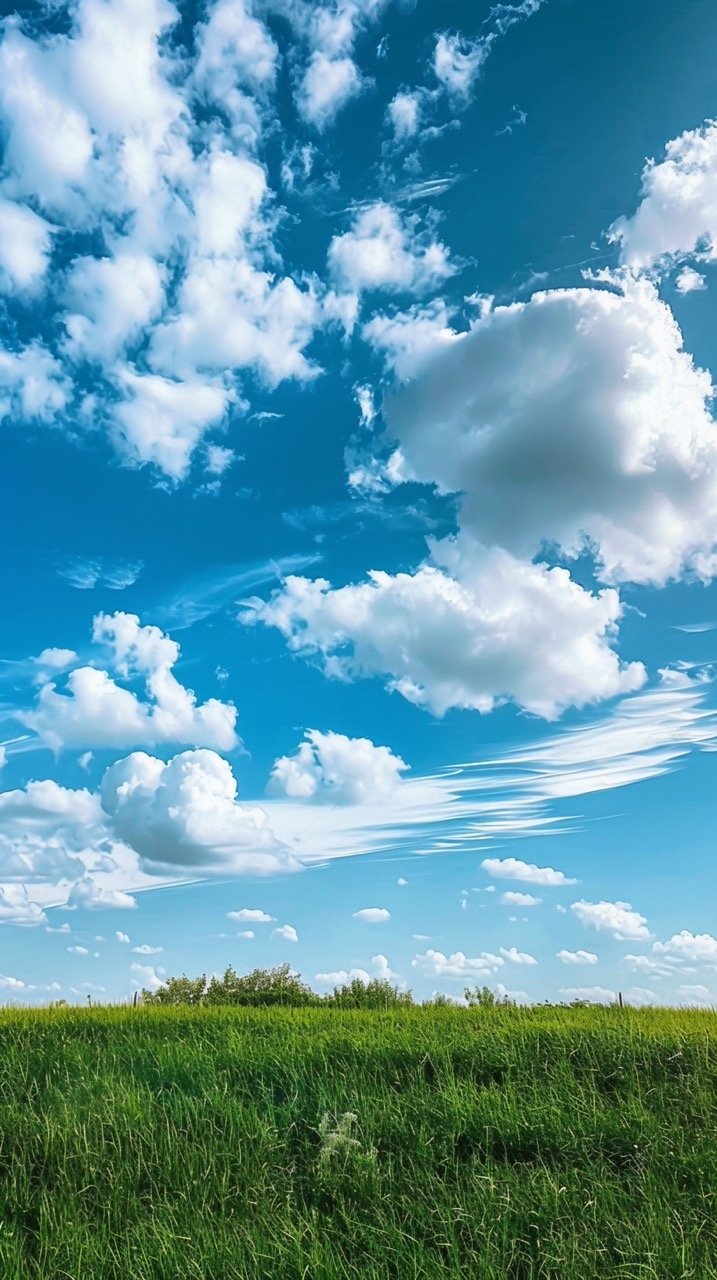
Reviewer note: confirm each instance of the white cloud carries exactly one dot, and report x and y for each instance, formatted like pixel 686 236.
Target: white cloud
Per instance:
pixel 25 243
pixel 695 991
pixel 340 977
pixel 251 914
pixel 497 629
pixel 98 712
pixel 161 421
pixel 235 52
pixel 83 575
pixel 457 965
pixel 701 948
pixel 334 769
pixel 383 252
pixel 457 62
pixel 102 132
pixel 17 908
pixel 328 84
pixel 690 281
pixel 146 950
pixel 56 659
pixel 404 114
pixel 408 338
pixel 121 937
pixel 33 384
pixel 678 212
pixel 598 995
pixel 78 951
pixel 528 872
pixel 287 932
pixel 184 816
pixel 512 899
pixel 576 419
pixel 656 968
pixel 8 983
pixel 149 976
pixel 517 957
pixel 617 918
pixel 43 829
pixel 245 933
pixel 372 915
pixel 577 957
pixel 110 302
pixel 87 893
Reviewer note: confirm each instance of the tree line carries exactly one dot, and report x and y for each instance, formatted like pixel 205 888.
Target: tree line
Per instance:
pixel 281 986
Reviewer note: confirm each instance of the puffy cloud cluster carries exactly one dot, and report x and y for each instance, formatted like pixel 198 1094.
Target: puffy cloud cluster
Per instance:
pixel 460 966
pixel 372 915
pixel 527 872
pixel 497 628
pixel 575 419
pixel 700 948
pixel 109 127
pixel 677 216
pixel 95 711
pixel 577 957
pixel 184 816
pixel 332 768
pixel 616 918
pixel 381 251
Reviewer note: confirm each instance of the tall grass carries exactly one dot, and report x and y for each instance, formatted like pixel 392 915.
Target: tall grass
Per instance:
pixel 317 1144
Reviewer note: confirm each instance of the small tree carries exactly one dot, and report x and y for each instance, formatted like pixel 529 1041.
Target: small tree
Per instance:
pixel 260 987
pixel 377 993
pixel 182 990
pixel 484 998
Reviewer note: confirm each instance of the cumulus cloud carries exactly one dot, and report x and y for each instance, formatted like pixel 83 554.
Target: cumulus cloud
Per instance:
pixel 287 932
pixel 575 419
pixel 404 114
pixel 690 281
pixel 677 215
pixel 497 628
pixel 185 816
pixel 44 827
pixel 617 918
pixel 252 914
pixel 372 915
pixel 25 242
pixel 528 872
pixel 517 957
pixel 382 251
pixel 577 957
pixel 513 899
pixel 457 62
pixel 595 995
pixel 331 768
pixel 33 384
pixel 457 965
pixel 701 948
pixel 110 125
pixel 96 711
pixel 327 85
pixel 87 893
pixel 17 908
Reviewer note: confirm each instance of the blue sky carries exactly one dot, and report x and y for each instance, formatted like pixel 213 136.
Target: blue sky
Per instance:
pixel 360 495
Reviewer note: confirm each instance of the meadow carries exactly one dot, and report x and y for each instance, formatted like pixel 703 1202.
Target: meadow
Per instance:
pixel 324 1144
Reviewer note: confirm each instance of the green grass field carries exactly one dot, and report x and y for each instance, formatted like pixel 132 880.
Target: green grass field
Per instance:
pixel 218 1144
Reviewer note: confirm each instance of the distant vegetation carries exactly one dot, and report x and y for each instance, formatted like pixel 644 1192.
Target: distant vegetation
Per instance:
pixel 330 1143
pixel 281 986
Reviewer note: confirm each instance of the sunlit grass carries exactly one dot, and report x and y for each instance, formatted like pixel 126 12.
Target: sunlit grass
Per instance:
pixel 219 1144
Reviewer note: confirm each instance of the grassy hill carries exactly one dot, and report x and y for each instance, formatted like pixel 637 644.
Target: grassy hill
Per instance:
pixel 318 1144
